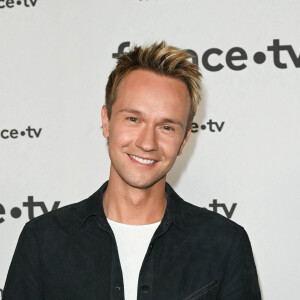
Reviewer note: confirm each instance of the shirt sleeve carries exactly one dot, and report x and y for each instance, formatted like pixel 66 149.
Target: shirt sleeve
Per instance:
pixel 24 276
pixel 241 280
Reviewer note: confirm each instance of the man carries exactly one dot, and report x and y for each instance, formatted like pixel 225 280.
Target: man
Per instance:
pixel 135 237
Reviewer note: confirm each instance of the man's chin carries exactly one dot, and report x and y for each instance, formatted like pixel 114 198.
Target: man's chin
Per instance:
pixel 145 184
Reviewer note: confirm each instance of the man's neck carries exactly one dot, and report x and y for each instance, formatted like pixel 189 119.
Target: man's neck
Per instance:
pixel 125 204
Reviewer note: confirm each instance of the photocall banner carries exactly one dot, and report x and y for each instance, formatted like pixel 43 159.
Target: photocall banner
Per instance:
pixel 242 160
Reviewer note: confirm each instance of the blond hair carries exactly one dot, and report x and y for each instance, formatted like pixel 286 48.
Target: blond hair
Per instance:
pixel 161 59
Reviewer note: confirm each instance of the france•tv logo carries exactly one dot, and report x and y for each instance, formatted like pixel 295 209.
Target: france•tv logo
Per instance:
pixel 236 58
pixel 14 3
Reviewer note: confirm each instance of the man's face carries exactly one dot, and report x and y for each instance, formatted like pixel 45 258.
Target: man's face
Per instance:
pixel 147 128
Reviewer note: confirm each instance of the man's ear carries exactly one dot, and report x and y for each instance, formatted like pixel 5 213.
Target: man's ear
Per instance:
pixel 105 121
pixel 186 138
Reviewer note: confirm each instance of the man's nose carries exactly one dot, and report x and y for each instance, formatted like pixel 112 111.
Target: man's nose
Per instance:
pixel 147 139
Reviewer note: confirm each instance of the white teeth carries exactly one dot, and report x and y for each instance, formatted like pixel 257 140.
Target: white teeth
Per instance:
pixel 141 160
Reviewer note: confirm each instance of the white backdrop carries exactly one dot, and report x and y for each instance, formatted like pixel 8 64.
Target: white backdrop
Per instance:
pixel 55 57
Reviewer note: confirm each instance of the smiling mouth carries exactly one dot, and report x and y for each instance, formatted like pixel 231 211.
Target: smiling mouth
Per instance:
pixel 142 160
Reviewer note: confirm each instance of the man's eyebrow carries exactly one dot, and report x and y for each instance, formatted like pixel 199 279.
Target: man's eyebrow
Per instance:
pixel 132 111
pixel 165 120
pixel 172 121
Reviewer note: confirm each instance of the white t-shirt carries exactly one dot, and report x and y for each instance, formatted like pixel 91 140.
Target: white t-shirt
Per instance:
pixel 133 242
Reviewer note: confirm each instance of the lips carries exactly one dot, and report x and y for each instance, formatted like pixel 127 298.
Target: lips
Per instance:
pixel 142 160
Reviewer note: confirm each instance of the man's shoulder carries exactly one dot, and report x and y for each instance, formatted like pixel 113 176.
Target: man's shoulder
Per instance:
pixel 68 216
pixel 200 216
pixel 198 220
pixel 202 224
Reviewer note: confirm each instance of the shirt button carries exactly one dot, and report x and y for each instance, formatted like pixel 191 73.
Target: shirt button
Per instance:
pixel 145 288
pixel 151 245
pixel 118 287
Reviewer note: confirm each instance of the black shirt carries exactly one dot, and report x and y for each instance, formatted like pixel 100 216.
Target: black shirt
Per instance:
pixel 71 254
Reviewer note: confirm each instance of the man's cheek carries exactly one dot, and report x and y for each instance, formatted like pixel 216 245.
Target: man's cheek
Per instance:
pixel 170 150
pixel 121 135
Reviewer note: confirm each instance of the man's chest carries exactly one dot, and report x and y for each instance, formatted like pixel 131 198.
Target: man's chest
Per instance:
pixel 173 267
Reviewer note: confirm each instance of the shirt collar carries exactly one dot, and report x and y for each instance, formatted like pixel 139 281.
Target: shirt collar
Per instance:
pixel 173 213
pixel 94 205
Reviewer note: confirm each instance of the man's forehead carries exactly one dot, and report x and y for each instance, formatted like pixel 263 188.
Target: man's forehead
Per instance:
pixel 153 85
pixel 157 96
pixel 140 79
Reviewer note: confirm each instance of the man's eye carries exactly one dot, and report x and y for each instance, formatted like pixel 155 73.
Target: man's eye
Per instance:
pixel 168 128
pixel 132 119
